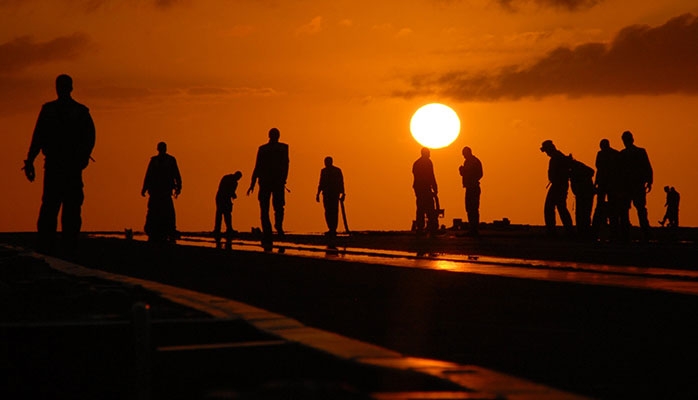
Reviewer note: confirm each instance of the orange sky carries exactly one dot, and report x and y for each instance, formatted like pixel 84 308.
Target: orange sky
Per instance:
pixel 343 78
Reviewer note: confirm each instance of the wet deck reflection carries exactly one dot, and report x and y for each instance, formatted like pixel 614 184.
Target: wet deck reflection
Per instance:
pixel 671 280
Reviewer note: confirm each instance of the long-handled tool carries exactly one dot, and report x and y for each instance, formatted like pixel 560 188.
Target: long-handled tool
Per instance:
pixel 344 216
pixel 440 212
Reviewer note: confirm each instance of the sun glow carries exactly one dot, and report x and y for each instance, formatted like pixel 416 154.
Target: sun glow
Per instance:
pixel 435 125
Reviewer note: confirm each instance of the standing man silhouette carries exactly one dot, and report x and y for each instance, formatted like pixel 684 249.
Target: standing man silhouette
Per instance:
pixel 161 179
pixel 471 173
pixel 65 134
pixel 425 189
pixel 224 205
pixel 636 182
pixel 271 169
pixel 332 188
pixel 558 177
pixel 606 184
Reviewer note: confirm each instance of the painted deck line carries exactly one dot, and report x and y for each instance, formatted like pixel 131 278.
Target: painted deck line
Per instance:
pixel 487 382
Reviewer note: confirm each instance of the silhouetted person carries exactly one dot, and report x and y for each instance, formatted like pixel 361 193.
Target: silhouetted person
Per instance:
pixel 558 177
pixel 672 208
pixel 636 182
pixel 271 169
pixel 607 189
pixel 582 184
pixel 162 179
pixel 65 134
pixel 425 189
pixel 471 173
pixel 224 204
pixel 332 188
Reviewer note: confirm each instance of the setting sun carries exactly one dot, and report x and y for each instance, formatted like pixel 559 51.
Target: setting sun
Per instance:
pixel 435 126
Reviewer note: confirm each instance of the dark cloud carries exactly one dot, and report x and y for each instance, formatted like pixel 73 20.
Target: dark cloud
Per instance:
pixel 24 52
pixel 640 60
pixel 569 5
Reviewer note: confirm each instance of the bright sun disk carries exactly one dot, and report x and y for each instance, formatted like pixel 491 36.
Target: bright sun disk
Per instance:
pixel 435 125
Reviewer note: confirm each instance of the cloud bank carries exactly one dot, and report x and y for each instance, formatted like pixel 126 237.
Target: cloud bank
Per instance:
pixel 569 5
pixel 23 52
pixel 640 60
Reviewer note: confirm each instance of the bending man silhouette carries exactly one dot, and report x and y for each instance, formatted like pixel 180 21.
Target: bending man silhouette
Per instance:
pixel 558 177
pixel 636 182
pixel 425 190
pixel 224 204
pixel 471 173
pixel 271 169
pixel 65 134
pixel 332 188
pixel 161 179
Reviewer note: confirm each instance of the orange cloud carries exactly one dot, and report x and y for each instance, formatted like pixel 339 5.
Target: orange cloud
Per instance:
pixel 23 52
pixel 569 5
pixel 639 60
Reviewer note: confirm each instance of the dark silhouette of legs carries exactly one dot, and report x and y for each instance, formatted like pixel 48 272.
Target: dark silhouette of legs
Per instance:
pixel 331 204
pixel 61 189
pixel 472 208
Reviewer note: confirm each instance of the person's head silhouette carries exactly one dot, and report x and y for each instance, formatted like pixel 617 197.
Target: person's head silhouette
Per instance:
pixel 604 144
pixel 467 152
pixel 426 153
pixel 274 135
pixel 627 138
pixel 64 85
pixel 237 175
pixel 162 147
pixel 548 147
pixel 328 161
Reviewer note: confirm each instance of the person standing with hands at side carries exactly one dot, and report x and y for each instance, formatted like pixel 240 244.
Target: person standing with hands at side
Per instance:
pixel 65 134
pixel 425 190
pixel 471 172
pixel 271 169
pixel 332 188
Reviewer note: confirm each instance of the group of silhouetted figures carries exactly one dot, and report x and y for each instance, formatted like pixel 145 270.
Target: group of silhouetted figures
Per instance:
pixel 163 179
pixel 621 181
pixel 65 134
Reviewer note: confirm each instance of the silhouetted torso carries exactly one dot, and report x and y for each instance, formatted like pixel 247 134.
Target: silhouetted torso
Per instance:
pixel 471 172
pixel 65 134
pixel 559 169
pixel 271 166
pixel 424 179
pixel 226 190
pixel 607 169
pixel 331 181
pixel 636 170
pixel 162 176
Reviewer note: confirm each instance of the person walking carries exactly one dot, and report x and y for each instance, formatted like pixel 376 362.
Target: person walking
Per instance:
pixel 672 208
pixel 224 205
pixel 331 186
pixel 558 186
pixel 162 179
pixel 425 190
pixel 271 169
pixel 636 182
pixel 471 173
pixel 65 134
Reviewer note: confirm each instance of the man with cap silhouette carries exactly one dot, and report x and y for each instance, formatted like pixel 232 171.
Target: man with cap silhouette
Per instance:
pixel 558 177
